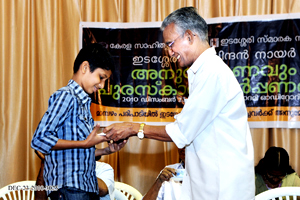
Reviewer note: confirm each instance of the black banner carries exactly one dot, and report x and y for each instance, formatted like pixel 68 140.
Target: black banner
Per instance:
pixel 148 86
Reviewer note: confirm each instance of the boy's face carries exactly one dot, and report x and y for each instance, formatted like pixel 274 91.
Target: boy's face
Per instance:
pixel 92 82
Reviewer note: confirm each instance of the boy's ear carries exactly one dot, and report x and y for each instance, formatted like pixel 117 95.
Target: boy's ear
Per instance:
pixel 84 66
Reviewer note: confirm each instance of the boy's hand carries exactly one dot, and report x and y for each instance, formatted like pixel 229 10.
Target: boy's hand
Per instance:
pixel 40 155
pixel 89 142
pixel 94 138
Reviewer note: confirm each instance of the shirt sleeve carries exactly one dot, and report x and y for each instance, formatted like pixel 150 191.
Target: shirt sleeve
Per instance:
pixel 291 180
pixel 45 136
pixel 297 180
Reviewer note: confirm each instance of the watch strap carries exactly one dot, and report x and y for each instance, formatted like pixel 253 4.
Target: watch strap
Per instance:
pixel 141 131
pixel 142 127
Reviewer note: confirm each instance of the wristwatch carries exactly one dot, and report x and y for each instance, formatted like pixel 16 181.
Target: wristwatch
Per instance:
pixel 141 131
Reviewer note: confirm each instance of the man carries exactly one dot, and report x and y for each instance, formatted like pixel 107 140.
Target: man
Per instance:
pixel 212 125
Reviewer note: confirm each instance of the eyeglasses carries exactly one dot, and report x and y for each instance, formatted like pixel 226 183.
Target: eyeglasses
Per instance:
pixel 168 45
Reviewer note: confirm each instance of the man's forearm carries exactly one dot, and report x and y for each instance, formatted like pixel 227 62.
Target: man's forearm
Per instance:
pixel 156 133
pixel 101 152
pixel 103 189
pixel 119 131
pixel 153 192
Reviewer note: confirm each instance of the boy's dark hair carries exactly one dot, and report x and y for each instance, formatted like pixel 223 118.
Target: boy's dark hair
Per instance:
pixel 96 55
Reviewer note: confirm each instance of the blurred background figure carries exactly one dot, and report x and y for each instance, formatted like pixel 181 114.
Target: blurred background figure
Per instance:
pixel 105 178
pixel 274 170
pixel 164 187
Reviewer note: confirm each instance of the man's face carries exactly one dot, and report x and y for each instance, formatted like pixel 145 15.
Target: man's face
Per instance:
pixel 177 45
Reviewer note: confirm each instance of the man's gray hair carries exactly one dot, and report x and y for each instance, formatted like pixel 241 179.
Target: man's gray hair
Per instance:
pixel 187 18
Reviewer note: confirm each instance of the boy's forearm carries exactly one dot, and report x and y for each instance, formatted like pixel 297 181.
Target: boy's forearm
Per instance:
pixel 40 194
pixel 69 144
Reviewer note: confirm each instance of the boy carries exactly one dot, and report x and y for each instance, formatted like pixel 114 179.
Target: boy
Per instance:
pixel 66 135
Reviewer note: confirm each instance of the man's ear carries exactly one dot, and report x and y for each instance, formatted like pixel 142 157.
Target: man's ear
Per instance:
pixel 190 35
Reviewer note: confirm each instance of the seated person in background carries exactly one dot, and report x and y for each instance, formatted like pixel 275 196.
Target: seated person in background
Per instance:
pixel 157 191
pixel 274 170
pixel 104 173
pixel 106 183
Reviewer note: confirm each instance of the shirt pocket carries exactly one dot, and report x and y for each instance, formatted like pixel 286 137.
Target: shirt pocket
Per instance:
pixel 84 125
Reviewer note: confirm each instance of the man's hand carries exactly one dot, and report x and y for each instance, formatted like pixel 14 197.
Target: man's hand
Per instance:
pixel 119 131
pixel 111 148
pixel 117 146
pixel 166 174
